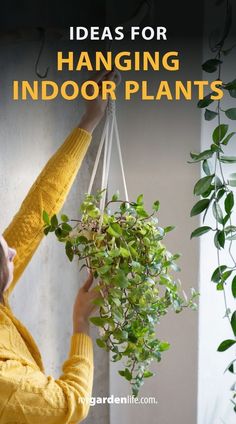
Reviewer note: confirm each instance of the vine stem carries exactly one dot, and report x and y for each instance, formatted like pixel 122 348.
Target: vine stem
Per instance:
pixel 218 162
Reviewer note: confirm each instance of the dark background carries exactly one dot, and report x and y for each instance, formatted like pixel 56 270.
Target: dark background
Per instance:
pixel 181 18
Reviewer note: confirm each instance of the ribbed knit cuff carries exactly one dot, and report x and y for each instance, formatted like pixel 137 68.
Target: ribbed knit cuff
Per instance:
pixel 81 344
pixel 77 142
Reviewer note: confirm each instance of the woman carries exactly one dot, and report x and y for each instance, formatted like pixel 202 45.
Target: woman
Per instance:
pixel 27 395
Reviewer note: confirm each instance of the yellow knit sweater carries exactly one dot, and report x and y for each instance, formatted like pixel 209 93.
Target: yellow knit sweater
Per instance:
pixel 27 395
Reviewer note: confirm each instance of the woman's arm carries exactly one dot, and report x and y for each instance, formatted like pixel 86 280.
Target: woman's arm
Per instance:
pixel 28 395
pixel 48 192
pixel 50 189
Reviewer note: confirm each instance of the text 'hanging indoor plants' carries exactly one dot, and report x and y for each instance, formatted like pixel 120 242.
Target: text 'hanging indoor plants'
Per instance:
pixel 125 252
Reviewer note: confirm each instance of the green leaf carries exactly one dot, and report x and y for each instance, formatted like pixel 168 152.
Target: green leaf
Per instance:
pixel 140 199
pixel 64 218
pixel 203 185
pixel 81 240
pixel 206 167
pixel 230 85
pixel 98 301
pixel 217 212
pixel 127 374
pixel 226 275
pixel 115 230
pixel 211 65
pixel 147 374
pixel 229 202
pixel 103 269
pixel 233 322
pixel 216 148
pixel 46 218
pixel 231 113
pixel 216 241
pixel 200 231
pixel 116 357
pixel 226 218
pixel 197 157
pixel 47 230
pixel 216 276
pixel 232 93
pixel 98 321
pixel 208 192
pixel 66 227
pixel 221 238
pixel 115 196
pixel 54 221
pixel 156 205
pixel 230 229
pixel 100 343
pixel 206 101
pixel 228 159
pixel 169 228
pixel 233 237
pixel 226 344
pixel 222 191
pixel 219 133
pixel 232 180
pixel 114 253
pixel 59 232
pixel 124 252
pixel 164 346
pixel 69 251
pixel 229 136
pixel 200 207
pixel 93 212
pixel 230 367
pixel 233 287
pixel 141 211
pixel 120 278
pixel 209 115
pixel 116 301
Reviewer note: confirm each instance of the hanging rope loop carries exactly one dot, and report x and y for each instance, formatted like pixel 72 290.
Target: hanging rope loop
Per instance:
pixel 110 131
pixel 111 107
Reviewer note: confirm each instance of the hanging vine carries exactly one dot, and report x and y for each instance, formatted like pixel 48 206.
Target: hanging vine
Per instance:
pixel 215 189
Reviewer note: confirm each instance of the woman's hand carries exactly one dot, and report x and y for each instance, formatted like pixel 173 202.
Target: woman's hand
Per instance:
pixel 95 108
pixel 83 306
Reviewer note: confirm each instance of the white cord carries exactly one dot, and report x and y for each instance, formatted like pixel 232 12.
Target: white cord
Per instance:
pixel 121 160
pixel 97 157
pixel 109 131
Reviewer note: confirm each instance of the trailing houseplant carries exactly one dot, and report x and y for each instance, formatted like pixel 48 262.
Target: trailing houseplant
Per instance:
pixel 125 252
pixel 215 189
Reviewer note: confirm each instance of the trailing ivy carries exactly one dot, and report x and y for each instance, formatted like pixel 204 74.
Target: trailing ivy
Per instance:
pixel 125 252
pixel 215 191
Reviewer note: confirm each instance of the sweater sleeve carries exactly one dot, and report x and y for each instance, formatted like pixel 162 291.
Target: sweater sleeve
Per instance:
pixel 27 395
pixel 48 193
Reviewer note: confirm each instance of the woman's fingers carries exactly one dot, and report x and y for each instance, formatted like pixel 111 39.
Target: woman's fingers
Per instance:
pixel 107 76
pixel 88 282
pixel 99 76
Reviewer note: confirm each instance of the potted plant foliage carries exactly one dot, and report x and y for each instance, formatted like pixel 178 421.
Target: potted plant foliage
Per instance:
pixel 124 250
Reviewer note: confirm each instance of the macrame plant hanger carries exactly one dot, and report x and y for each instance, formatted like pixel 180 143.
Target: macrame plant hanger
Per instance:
pixel 110 130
